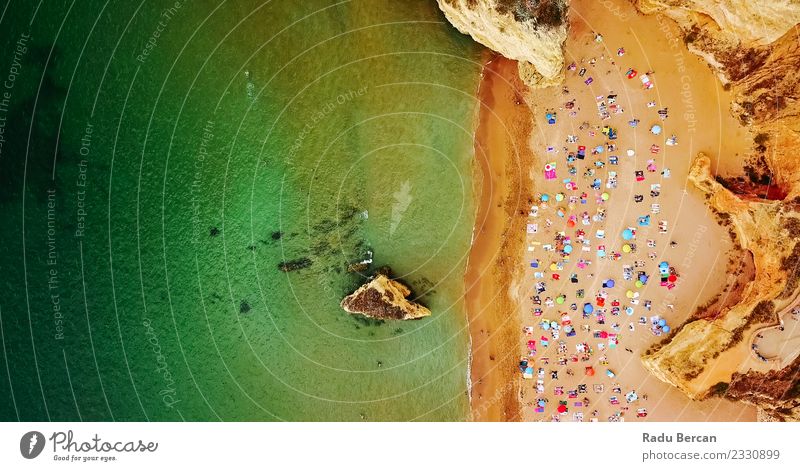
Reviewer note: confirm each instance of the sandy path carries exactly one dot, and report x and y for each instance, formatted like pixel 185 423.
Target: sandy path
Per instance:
pixel 503 160
pixel 779 344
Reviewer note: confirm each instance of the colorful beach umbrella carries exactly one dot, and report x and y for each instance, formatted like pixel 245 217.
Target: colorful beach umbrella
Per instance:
pixel 627 234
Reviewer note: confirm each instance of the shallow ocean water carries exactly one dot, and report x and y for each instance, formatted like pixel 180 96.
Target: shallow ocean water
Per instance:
pixel 159 163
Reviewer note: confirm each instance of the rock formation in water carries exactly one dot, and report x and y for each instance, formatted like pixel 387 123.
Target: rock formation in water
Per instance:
pixel 532 32
pixel 384 298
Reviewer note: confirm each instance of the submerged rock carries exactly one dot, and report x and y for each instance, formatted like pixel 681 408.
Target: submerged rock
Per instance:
pixel 244 307
pixel 296 264
pixel 384 298
pixel 362 265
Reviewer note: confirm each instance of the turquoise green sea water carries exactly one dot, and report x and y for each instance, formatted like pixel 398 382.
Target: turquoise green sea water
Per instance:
pixel 160 159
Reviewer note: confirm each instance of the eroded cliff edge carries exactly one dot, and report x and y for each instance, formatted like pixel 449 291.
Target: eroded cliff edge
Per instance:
pixel 532 32
pixel 767 230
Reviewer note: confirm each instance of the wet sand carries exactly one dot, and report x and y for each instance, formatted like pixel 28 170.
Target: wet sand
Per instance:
pixel 503 161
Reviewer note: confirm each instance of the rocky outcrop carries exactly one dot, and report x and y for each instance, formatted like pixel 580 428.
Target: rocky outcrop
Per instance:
pixel 760 227
pixel 777 393
pixel 385 299
pixel 532 32
pixel 752 22
pixel 753 47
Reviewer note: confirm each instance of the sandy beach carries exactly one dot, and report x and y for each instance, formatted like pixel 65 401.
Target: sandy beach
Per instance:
pixel 503 161
pixel 514 142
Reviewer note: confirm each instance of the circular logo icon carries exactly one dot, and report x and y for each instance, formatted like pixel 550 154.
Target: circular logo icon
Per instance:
pixel 31 445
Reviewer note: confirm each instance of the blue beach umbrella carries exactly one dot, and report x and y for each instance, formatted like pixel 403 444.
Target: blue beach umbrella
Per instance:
pixel 588 308
pixel 627 234
pixel 567 249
